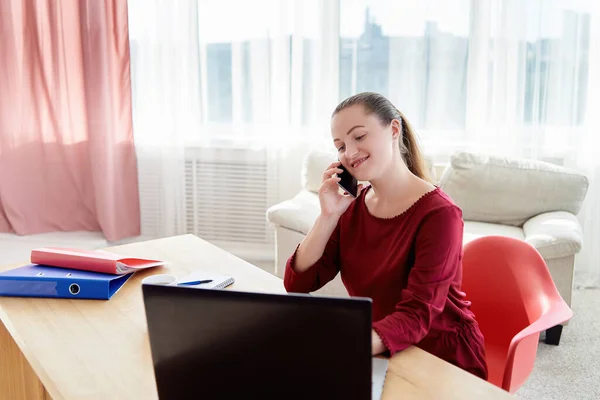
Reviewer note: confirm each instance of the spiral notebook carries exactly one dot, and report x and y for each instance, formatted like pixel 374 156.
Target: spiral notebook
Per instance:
pixel 217 281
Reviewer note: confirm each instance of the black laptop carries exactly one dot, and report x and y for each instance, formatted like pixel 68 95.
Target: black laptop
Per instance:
pixel 213 344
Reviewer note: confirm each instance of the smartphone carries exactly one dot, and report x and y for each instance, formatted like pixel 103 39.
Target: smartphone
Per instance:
pixel 348 182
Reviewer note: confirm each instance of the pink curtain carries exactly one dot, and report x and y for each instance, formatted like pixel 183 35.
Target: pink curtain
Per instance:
pixel 67 159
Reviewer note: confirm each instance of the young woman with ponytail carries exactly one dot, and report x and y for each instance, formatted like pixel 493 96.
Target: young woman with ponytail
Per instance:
pixel 399 242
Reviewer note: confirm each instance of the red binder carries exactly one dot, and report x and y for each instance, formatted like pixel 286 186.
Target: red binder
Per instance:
pixel 90 260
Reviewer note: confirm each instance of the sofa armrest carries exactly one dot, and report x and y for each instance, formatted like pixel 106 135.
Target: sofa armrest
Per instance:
pixel 297 214
pixel 554 234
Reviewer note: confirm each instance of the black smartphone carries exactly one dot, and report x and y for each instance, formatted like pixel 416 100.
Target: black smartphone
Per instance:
pixel 348 182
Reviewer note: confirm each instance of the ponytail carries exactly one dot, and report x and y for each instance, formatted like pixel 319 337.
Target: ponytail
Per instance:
pixel 409 148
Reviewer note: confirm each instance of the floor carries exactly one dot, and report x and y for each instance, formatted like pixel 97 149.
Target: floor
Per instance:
pixel 572 369
pixel 568 371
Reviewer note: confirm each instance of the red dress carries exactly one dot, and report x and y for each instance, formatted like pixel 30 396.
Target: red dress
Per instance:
pixel 411 267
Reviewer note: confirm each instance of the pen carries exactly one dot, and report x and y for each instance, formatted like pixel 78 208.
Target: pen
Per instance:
pixel 196 282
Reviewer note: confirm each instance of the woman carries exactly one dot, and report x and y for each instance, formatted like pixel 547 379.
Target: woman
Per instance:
pixel 399 242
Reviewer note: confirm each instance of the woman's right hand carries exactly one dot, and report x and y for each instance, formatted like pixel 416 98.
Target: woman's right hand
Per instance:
pixel 333 203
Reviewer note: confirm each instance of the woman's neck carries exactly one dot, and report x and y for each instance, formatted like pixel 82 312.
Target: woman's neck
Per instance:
pixel 395 182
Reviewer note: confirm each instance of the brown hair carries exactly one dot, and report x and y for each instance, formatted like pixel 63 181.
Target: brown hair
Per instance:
pixel 386 112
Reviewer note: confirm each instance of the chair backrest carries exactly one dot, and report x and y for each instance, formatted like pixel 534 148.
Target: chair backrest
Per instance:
pixel 509 286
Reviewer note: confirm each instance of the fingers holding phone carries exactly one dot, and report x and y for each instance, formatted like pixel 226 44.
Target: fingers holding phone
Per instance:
pixel 333 203
pixel 333 168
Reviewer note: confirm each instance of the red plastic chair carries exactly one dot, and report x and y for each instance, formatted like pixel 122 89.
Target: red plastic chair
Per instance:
pixel 514 298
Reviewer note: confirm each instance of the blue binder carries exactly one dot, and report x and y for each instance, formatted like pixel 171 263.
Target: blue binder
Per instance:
pixel 36 280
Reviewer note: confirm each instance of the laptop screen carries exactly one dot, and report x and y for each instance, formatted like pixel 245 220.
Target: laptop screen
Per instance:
pixel 226 344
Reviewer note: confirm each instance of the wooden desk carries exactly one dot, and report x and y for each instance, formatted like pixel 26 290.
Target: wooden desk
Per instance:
pixel 90 349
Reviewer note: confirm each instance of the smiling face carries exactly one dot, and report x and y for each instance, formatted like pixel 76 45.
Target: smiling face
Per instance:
pixel 365 146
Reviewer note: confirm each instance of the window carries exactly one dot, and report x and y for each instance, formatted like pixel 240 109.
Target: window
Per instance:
pixel 556 77
pixel 260 71
pixel 416 56
pixel 462 71
pixel 472 71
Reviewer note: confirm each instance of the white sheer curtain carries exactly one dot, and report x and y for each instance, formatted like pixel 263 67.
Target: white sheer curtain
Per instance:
pixel 588 261
pixel 528 76
pixel 166 104
pixel 206 74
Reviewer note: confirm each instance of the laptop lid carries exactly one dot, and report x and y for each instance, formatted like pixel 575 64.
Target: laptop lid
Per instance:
pixel 227 344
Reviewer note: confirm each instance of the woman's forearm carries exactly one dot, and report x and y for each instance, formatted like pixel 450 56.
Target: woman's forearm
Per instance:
pixel 312 247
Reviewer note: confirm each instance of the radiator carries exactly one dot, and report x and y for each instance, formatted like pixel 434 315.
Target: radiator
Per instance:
pixel 227 193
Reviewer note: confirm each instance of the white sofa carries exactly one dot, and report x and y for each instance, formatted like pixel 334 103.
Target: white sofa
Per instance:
pixel 530 200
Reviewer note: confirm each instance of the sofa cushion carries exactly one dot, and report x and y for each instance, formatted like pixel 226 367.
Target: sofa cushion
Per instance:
pixel 510 191
pixel 474 230
pixel 554 235
pixel 313 167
